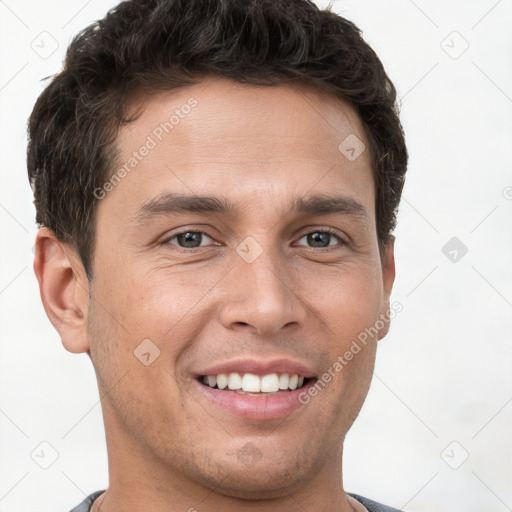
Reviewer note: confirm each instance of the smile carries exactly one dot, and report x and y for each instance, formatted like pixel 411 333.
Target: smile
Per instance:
pixel 254 396
pixel 252 383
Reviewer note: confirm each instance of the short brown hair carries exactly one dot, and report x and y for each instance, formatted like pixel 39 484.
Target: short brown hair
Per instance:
pixel 152 45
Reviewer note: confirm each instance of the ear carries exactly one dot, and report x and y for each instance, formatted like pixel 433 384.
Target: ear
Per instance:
pixel 64 289
pixel 388 278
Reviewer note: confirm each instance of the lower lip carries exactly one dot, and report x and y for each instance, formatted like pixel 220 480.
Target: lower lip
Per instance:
pixel 267 407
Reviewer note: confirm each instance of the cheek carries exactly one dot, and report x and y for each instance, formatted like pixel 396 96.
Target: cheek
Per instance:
pixel 348 307
pixel 169 307
pixel 149 301
pixel 172 304
pixel 134 367
pixel 348 299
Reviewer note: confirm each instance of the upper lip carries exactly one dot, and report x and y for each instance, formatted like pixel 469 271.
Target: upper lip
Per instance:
pixel 258 367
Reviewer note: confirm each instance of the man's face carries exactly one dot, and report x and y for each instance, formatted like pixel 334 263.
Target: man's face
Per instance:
pixel 266 290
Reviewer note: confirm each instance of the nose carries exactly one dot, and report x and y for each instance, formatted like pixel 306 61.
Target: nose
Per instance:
pixel 263 296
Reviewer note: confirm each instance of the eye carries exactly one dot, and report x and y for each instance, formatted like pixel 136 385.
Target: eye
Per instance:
pixel 188 239
pixel 322 238
pixel 196 239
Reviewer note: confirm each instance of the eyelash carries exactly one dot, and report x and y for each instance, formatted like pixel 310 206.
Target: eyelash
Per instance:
pixel 330 231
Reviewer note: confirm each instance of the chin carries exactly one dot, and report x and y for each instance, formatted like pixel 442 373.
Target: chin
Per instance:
pixel 256 476
pixel 258 484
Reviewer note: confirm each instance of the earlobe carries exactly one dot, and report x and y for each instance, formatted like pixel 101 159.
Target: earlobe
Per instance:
pixel 388 278
pixel 64 289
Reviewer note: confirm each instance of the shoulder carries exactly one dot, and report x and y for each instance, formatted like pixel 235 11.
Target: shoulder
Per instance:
pixel 85 506
pixel 373 506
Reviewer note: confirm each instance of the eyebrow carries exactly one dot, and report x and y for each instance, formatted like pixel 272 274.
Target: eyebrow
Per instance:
pixel 171 203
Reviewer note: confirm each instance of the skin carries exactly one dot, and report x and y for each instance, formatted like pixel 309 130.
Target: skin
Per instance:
pixel 169 448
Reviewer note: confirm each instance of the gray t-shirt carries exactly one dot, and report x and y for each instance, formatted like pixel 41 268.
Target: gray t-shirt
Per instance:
pixel 372 506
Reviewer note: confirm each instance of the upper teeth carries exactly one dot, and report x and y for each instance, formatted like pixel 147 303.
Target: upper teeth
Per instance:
pixel 252 383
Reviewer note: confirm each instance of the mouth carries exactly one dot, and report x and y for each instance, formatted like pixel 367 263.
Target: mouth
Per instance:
pixel 252 384
pixel 253 396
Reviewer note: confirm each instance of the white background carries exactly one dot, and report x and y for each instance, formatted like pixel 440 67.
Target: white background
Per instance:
pixel 444 372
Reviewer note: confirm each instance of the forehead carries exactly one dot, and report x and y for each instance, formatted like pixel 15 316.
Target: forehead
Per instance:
pixel 264 122
pixel 224 138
